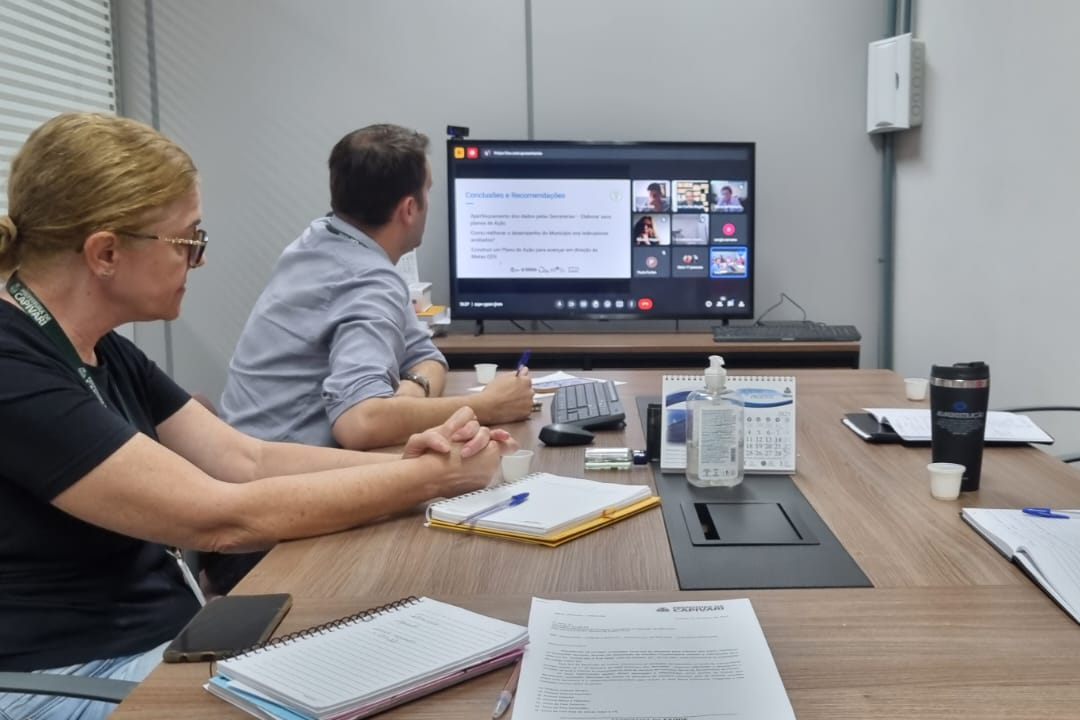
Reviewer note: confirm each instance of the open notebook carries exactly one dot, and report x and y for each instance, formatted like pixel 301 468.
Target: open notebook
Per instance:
pixel 558 508
pixel 913 426
pixel 1047 549
pixel 366 663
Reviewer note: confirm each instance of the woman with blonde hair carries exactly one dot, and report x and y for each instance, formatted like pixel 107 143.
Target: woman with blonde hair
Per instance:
pixel 107 463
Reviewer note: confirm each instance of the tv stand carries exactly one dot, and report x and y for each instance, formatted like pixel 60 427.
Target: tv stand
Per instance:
pixel 587 351
pixel 479 330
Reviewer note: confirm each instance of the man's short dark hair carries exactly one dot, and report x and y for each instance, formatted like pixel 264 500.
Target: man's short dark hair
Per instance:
pixel 373 168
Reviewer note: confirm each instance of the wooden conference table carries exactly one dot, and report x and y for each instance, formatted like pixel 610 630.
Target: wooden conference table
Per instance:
pixel 567 351
pixel 949 630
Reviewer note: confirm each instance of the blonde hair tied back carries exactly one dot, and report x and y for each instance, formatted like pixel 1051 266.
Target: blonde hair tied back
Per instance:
pixel 82 172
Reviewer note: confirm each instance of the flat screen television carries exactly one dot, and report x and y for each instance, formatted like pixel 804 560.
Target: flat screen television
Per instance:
pixel 549 230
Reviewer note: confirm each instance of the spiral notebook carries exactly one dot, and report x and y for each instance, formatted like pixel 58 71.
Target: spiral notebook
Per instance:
pixel 558 509
pixel 769 421
pixel 1046 549
pixel 366 663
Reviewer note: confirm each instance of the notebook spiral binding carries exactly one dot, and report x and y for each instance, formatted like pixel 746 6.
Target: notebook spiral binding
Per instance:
pixel 362 616
pixel 489 488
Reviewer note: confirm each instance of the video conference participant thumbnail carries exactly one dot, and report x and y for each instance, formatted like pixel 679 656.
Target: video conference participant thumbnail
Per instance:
pixel 652 195
pixel 728 195
pixel 691 196
pixel 651 229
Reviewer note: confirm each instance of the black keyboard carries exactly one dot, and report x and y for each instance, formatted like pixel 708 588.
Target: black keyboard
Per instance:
pixel 593 405
pixel 793 332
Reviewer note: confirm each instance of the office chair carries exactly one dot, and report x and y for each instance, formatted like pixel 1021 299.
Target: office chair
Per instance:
pixel 1067 457
pixel 88 688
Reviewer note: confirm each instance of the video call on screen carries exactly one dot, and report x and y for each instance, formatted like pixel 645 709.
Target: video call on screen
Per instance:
pixel 550 230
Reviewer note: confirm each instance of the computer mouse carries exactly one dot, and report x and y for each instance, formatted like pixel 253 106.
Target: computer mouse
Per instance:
pixel 565 434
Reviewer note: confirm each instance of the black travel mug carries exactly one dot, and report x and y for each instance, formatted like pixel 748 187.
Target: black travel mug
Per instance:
pixel 959 396
pixel 653 415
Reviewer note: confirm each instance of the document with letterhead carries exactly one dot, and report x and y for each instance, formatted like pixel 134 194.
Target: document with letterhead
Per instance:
pixel 705 659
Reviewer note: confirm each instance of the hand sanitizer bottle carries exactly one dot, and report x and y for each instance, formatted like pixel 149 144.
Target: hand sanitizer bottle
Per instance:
pixel 714 431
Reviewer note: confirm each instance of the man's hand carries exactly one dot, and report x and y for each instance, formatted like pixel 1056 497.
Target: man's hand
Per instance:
pixel 507 398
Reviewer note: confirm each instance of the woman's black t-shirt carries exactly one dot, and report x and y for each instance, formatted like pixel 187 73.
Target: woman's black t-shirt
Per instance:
pixel 70 591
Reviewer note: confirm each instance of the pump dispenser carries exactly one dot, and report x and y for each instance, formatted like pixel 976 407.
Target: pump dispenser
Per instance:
pixel 714 431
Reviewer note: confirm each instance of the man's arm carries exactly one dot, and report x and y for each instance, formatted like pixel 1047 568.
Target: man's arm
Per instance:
pixel 382 421
pixel 434 371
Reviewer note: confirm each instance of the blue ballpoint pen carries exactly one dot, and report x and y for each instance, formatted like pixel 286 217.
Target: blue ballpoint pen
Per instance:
pixel 1050 512
pixel 524 359
pixel 501 505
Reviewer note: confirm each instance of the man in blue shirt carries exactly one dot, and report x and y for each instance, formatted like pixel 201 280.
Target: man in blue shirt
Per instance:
pixel 333 353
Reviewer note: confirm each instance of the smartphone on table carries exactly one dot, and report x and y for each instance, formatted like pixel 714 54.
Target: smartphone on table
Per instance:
pixel 226 625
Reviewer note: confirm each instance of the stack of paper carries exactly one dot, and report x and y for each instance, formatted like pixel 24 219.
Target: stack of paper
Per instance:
pixel 420 294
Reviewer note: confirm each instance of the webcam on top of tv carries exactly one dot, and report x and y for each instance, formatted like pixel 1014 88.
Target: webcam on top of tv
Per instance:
pixel 457 131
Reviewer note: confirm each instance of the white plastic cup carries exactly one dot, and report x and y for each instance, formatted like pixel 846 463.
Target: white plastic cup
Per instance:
pixel 516 465
pixel 915 388
pixel 485 372
pixel 945 480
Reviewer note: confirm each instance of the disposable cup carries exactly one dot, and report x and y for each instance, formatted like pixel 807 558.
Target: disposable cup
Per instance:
pixel 945 480
pixel 516 465
pixel 915 388
pixel 485 372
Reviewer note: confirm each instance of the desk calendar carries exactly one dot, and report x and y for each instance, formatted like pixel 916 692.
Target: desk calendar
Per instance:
pixel 769 418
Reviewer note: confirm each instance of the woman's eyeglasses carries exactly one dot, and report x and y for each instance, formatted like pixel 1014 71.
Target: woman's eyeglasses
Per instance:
pixel 196 244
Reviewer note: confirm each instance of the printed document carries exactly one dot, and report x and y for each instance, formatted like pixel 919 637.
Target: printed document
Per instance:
pixel 409 268
pixel 648 661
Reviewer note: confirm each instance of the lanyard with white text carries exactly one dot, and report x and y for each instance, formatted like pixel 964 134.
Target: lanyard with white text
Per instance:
pixel 36 310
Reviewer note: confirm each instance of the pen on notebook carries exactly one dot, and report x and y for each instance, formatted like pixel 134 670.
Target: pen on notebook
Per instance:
pixel 521 362
pixel 501 505
pixel 507 694
pixel 1050 512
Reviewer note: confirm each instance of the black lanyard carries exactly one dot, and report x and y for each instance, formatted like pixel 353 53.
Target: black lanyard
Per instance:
pixel 36 310
pixel 329 225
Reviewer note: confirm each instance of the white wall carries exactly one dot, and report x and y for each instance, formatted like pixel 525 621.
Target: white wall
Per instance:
pixel 987 192
pixel 790 76
pixel 259 90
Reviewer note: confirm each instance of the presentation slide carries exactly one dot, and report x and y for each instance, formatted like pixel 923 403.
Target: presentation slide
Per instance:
pixel 542 228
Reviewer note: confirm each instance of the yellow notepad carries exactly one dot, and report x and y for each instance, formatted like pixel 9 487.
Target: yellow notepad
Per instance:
pixel 558 509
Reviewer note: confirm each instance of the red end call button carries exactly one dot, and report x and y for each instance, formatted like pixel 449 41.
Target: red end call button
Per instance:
pixel 645 304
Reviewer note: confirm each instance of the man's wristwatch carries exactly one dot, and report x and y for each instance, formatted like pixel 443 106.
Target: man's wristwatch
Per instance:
pixel 419 380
